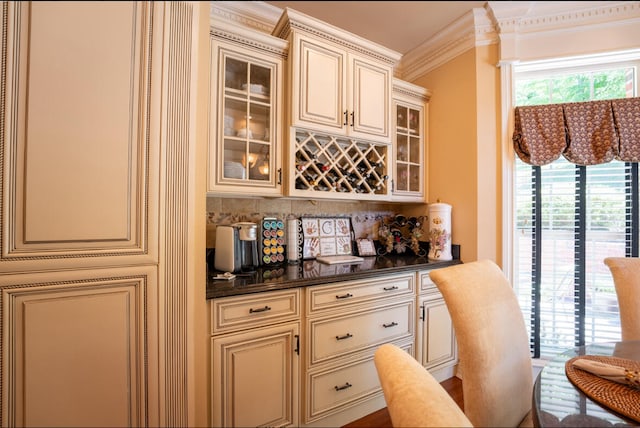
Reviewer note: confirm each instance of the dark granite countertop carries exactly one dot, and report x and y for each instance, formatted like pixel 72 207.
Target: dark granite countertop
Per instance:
pixel 311 272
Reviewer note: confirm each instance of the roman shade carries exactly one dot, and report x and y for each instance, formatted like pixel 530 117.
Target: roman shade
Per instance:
pixel 585 133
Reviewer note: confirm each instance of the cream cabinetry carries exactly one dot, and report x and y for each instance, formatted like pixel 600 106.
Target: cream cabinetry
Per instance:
pixel 345 323
pixel 255 347
pixel 339 82
pixel 91 103
pixel 409 142
pixel 435 338
pixel 245 132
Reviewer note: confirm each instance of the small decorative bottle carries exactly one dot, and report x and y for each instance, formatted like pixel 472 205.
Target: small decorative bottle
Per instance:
pixel 440 232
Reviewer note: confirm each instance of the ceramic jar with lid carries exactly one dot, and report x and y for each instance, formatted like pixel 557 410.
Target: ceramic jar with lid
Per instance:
pixel 439 232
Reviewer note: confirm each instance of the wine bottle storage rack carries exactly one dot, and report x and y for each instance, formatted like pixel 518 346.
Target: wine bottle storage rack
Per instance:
pixel 330 164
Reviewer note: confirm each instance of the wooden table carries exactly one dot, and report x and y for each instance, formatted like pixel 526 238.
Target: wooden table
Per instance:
pixel 557 402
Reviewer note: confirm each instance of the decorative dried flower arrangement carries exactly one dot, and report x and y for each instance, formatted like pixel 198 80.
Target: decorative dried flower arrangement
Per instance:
pixel 398 233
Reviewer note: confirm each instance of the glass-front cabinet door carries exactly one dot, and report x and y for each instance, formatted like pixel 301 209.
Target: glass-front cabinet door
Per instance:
pixel 409 171
pixel 244 156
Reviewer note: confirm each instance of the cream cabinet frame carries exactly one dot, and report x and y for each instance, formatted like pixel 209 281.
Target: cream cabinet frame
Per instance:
pixel 436 345
pixel 410 142
pixel 339 83
pixel 339 92
pixel 245 113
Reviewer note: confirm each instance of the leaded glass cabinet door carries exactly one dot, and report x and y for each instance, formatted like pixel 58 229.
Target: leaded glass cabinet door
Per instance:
pixel 409 166
pixel 244 155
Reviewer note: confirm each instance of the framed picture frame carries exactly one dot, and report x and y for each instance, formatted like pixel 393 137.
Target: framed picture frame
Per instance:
pixel 326 236
pixel 366 247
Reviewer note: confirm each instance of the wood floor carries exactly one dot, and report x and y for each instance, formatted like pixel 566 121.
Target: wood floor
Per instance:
pixel 381 419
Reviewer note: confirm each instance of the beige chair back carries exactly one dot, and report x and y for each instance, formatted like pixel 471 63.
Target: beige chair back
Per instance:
pixel 493 344
pixel 414 397
pixel 626 278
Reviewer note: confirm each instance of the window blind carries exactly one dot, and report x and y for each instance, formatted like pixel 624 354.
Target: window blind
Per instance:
pixel 570 218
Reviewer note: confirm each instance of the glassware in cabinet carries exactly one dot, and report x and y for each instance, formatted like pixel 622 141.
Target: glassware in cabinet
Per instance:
pixel 243 156
pixel 409 144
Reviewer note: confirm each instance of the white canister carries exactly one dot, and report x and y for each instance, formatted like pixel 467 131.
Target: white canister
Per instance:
pixel 440 232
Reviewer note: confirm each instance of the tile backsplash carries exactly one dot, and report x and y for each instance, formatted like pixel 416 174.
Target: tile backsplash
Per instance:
pixel 364 216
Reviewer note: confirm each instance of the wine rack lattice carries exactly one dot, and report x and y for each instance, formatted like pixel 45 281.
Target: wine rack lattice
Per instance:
pixel 326 163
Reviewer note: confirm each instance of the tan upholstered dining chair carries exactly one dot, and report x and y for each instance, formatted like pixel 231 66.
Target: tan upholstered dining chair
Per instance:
pixel 414 397
pixel 493 343
pixel 626 279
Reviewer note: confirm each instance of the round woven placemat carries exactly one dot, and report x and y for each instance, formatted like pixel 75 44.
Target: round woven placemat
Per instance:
pixel 616 396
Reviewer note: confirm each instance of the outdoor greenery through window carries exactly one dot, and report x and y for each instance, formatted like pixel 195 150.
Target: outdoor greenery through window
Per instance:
pixel 570 217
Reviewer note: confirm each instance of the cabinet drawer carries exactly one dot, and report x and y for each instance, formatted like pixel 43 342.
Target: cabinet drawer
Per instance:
pixel 426 285
pixel 340 295
pixel 230 313
pixel 359 330
pixel 345 385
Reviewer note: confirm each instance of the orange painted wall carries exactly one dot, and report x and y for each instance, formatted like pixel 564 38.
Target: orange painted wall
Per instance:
pixel 464 149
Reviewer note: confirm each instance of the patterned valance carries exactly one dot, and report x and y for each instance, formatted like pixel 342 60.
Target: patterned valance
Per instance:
pixel 585 133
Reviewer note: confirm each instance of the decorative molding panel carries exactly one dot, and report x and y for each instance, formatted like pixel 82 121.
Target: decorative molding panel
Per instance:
pixel 178 142
pixel 249 38
pixel 78 168
pixel 78 349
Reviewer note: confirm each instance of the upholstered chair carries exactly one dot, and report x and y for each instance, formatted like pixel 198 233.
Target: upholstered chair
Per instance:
pixel 493 343
pixel 626 278
pixel 414 397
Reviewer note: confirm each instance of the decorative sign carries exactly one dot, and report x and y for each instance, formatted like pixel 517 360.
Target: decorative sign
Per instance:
pixel 326 236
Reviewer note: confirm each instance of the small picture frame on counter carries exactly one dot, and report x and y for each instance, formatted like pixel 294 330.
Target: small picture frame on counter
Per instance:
pixel 366 247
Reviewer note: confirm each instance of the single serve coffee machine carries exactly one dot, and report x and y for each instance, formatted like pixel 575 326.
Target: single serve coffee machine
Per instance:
pixel 237 247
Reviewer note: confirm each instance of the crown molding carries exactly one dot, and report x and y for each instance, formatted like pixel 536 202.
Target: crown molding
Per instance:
pixel 499 22
pixel 472 29
pixel 257 15
pixel 292 20
pixel 507 23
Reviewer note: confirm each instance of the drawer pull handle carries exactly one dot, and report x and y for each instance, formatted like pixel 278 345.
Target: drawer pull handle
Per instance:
pixel 390 288
pixel 346 336
pixel 345 386
pixel 344 296
pixel 253 311
pixel 392 324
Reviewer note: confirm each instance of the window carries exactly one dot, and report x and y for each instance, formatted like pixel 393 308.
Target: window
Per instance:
pixel 568 218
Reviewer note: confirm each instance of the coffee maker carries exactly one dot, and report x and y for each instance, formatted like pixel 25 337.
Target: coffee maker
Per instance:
pixel 237 247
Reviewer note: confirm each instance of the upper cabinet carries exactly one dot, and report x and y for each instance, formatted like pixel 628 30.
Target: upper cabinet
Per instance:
pixel 339 83
pixel 245 147
pixel 410 104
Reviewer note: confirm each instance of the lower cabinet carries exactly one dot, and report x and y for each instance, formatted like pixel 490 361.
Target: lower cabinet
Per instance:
pixel 436 343
pixel 255 348
pixel 274 364
pixel 345 323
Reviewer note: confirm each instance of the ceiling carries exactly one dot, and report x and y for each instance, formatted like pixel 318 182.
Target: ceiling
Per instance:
pixel 397 25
